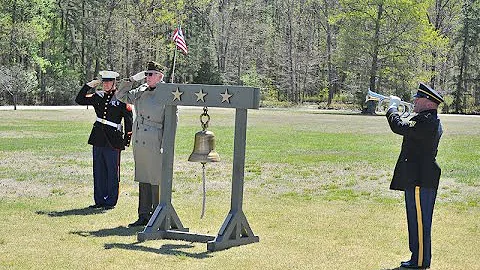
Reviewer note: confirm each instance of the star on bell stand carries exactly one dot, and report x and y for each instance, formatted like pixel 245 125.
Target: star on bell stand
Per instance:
pixel 201 95
pixel 226 96
pixel 176 95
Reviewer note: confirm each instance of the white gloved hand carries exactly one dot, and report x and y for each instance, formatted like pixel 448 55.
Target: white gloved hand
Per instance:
pixel 93 83
pixel 394 102
pixel 139 76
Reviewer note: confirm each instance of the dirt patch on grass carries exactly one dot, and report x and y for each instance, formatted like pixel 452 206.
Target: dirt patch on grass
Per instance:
pixel 10 188
pixel 348 181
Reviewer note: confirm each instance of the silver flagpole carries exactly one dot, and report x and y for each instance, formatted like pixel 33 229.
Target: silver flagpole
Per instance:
pixel 174 60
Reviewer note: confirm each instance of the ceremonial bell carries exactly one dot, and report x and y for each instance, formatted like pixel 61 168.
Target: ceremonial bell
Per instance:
pixel 204 145
pixel 204 152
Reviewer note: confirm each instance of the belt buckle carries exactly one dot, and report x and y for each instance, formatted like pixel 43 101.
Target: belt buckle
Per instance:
pixel 104 121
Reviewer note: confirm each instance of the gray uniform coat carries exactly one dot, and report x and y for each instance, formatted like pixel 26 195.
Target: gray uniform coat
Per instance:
pixel 147 131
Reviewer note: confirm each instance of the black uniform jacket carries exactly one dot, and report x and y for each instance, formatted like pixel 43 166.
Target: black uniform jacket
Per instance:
pixel 416 165
pixel 107 107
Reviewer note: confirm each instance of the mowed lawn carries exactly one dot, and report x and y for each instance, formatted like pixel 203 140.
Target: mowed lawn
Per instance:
pixel 316 193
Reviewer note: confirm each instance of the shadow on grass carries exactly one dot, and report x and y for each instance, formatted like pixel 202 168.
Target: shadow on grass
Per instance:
pixel 73 212
pixel 118 231
pixel 167 249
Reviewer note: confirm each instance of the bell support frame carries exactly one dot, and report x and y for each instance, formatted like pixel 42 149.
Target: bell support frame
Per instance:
pixel 165 223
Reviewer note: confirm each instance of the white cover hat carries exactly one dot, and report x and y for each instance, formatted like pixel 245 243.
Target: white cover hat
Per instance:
pixel 108 74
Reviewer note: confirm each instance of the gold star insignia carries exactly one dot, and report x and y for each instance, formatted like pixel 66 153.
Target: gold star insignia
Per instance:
pixel 226 96
pixel 201 95
pixel 176 95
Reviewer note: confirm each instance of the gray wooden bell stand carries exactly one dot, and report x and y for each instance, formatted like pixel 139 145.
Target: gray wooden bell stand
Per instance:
pixel 165 223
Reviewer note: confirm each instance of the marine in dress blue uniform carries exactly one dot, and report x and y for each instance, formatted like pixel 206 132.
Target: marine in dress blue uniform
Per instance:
pixel 417 172
pixel 107 137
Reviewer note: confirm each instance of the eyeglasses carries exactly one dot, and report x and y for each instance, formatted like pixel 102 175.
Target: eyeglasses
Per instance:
pixel 150 73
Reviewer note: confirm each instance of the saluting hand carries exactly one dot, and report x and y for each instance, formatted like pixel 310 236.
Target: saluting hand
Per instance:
pixel 139 76
pixel 93 83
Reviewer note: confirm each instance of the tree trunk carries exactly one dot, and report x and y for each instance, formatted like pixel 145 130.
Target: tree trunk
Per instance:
pixel 290 57
pixel 374 66
pixel 224 35
pixel 82 50
pixel 459 92
pixel 41 76
pixel 331 76
pixel 12 33
pixel 14 101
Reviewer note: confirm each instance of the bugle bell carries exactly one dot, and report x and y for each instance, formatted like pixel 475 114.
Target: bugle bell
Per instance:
pixel 405 108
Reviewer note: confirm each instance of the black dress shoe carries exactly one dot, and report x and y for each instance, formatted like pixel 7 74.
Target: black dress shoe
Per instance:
pixel 139 222
pixel 412 265
pixel 95 206
pixel 108 207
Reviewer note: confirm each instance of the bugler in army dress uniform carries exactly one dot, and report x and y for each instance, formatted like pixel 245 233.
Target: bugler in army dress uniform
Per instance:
pixel 417 172
pixel 107 137
pixel 147 137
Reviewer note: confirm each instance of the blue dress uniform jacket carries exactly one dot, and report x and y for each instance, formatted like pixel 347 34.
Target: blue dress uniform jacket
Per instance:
pixel 107 107
pixel 416 165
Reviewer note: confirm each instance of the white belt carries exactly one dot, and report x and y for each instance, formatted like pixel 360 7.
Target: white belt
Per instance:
pixel 112 124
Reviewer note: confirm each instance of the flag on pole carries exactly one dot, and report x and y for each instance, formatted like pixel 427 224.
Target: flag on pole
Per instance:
pixel 179 40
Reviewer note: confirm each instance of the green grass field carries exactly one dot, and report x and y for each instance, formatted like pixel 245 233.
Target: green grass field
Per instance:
pixel 316 193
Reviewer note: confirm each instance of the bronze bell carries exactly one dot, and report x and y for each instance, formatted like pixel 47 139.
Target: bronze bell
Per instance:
pixel 204 148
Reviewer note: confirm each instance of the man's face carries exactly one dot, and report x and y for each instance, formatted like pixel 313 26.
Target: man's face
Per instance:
pixel 420 104
pixel 108 85
pixel 153 77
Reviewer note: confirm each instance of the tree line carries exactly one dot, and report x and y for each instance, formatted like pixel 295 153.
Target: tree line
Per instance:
pixel 295 51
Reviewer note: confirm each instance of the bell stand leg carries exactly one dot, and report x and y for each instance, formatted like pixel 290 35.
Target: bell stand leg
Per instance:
pixel 165 223
pixel 235 230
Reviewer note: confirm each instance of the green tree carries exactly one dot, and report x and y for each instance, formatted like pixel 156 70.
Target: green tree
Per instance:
pixel 385 50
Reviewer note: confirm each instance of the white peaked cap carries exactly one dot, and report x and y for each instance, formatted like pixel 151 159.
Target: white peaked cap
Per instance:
pixel 108 74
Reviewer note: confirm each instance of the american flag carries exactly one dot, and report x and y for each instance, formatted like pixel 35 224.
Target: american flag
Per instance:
pixel 180 40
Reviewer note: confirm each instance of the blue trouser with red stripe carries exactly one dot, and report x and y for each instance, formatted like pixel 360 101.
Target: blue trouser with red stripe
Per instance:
pixel 106 175
pixel 419 202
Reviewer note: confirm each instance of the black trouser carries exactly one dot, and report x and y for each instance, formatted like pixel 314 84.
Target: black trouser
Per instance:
pixel 148 198
pixel 419 202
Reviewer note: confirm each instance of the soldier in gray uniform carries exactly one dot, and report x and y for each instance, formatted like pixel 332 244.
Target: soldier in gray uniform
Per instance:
pixel 147 137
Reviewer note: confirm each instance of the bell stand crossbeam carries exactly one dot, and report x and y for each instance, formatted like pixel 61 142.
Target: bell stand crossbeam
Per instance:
pixel 165 223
